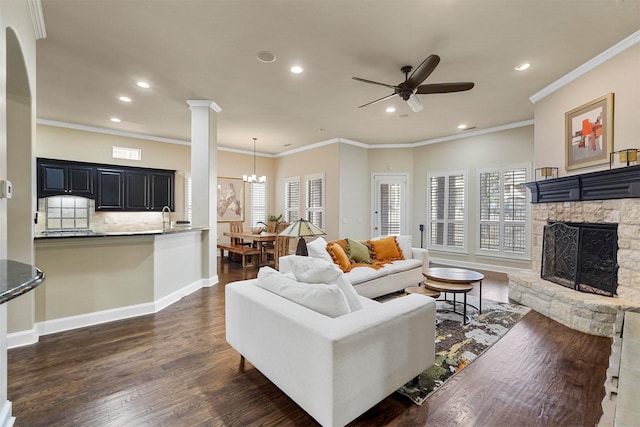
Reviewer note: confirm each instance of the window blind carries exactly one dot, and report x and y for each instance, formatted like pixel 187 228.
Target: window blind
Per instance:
pixel 258 202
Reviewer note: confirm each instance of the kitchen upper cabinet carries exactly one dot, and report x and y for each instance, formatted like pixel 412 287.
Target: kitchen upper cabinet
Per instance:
pixel 115 188
pixel 65 178
pixel 110 194
pixel 149 190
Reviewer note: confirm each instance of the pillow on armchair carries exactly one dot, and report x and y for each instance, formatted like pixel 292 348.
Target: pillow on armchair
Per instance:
pixel 318 249
pixel 315 270
pixel 323 298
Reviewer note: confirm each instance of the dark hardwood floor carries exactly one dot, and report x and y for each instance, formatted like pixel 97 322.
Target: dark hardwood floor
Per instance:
pixel 175 368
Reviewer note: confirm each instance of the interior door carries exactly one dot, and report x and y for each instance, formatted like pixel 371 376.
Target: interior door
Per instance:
pixel 390 205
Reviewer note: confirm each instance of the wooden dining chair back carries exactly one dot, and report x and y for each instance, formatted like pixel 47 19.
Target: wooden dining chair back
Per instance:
pixel 237 227
pixel 280 248
pixel 280 227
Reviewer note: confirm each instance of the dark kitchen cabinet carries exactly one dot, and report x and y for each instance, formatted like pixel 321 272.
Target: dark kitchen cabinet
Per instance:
pixel 149 190
pixel 110 194
pixel 114 188
pixel 65 178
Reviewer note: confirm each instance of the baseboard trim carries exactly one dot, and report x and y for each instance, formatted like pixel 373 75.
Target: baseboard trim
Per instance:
pixel 474 265
pixel 22 338
pixel 211 281
pixel 6 419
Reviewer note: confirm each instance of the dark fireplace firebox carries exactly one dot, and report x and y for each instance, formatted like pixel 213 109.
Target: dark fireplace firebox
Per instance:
pixel 581 256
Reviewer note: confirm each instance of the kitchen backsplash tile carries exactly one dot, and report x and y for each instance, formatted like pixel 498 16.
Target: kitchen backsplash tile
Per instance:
pixel 55 213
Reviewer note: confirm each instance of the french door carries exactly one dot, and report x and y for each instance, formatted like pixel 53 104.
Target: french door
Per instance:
pixel 390 205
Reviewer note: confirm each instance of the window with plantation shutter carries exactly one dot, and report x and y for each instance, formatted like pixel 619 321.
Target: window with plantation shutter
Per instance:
pixel 446 211
pixel 504 214
pixel 258 202
pixel 292 199
pixel 315 199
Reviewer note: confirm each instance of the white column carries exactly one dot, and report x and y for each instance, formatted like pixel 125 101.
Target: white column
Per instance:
pixel 204 172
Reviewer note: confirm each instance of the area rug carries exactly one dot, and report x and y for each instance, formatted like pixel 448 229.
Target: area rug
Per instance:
pixel 457 345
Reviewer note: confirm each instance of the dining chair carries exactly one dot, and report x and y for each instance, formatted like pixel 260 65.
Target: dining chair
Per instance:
pixel 280 248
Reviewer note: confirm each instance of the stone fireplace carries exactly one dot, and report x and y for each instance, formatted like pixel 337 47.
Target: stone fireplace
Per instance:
pixel 587 312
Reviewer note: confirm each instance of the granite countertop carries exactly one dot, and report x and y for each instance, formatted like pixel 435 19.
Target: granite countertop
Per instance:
pixel 90 233
pixel 17 278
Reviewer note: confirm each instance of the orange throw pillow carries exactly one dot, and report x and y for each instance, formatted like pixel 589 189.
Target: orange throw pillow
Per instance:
pixel 386 249
pixel 339 256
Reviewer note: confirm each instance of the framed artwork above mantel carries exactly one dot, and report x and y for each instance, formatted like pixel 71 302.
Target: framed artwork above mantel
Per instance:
pixel 589 133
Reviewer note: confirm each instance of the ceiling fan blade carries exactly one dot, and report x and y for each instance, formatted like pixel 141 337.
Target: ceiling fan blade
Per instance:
pixel 444 87
pixel 374 83
pixel 378 100
pixel 423 70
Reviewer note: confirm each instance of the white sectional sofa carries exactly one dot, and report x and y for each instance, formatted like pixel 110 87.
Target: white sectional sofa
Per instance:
pixel 393 277
pixel 335 368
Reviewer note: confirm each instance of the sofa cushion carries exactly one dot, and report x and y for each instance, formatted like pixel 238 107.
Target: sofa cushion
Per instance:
pixel 358 252
pixel 386 249
pixel 315 270
pixel 363 274
pixel 322 298
pixel 339 256
pixel 401 265
pixel 318 249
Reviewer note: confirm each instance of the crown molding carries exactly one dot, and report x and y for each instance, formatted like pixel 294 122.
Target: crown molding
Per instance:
pixel 109 131
pixel 294 151
pixel 37 18
pixel 603 57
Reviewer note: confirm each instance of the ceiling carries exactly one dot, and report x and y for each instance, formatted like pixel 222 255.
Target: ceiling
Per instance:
pixel 96 51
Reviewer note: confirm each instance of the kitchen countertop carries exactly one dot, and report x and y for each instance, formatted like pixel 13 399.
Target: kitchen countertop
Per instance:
pixel 17 278
pixel 89 233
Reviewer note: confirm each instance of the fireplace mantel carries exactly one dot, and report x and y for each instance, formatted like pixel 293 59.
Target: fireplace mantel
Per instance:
pixel 621 183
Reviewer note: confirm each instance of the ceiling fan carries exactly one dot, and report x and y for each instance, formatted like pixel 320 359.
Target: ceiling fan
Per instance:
pixel 412 84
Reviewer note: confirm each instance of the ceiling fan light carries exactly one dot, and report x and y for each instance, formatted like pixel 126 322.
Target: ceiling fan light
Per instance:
pixel 415 103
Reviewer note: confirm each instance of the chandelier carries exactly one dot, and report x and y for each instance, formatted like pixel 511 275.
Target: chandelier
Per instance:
pixel 253 177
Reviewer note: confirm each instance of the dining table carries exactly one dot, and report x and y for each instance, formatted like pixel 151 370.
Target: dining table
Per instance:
pixel 258 240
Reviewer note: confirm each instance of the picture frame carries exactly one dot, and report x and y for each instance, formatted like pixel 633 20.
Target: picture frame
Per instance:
pixel 230 200
pixel 589 133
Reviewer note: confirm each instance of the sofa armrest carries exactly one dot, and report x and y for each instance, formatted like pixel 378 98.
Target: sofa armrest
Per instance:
pixel 422 255
pixel 334 368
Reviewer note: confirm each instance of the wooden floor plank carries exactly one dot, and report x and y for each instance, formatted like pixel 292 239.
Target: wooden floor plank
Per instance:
pixel 175 368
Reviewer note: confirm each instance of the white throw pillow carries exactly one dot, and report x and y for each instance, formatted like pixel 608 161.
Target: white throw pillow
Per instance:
pixel 324 299
pixel 316 270
pixel 318 249
pixel 405 243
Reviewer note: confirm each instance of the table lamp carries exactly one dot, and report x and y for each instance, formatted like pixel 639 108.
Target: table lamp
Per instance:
pixel 302 228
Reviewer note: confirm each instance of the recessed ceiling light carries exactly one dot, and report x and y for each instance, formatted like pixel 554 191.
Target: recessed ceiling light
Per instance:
pixel 463 126
pixel 115 120
pixel 296 69
pixel 125 99
pixel 390 109
pixel 143 85
pixel 522 67
pixel 266 57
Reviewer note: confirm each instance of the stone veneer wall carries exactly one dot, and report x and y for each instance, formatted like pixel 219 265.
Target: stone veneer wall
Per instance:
pixel 593 314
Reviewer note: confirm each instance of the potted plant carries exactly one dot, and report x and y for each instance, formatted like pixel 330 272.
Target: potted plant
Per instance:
pixel 272 223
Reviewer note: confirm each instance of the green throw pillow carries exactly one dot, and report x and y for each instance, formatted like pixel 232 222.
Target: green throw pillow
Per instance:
pixel 358 252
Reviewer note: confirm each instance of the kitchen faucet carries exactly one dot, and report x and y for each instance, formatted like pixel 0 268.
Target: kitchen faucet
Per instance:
pixel 167 210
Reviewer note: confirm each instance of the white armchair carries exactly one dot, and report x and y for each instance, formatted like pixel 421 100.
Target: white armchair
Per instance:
pixel 334 368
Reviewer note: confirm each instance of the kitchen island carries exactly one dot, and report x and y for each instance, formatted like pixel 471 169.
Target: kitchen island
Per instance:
pixel 94 278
